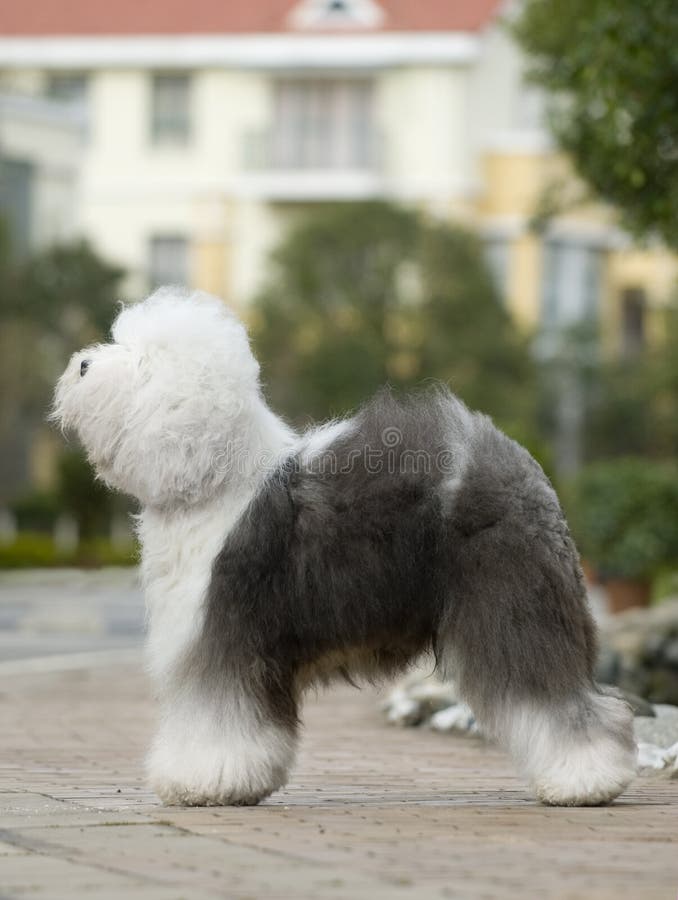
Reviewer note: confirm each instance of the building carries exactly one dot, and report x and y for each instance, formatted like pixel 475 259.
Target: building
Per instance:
pixel 41 141
pixel 210 124
pixel 40 149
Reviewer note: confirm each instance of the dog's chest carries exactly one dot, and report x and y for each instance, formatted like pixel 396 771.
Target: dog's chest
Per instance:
pixel 178 550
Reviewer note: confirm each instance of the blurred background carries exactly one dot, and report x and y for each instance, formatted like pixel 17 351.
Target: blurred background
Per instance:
pixel 387 191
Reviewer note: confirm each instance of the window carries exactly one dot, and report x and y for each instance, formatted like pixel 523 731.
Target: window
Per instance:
pixel 168 262
pixel 69 88
pixel 72 89
pixel 323 124
pixel 170 109
pixel 571 283
pixel 633 305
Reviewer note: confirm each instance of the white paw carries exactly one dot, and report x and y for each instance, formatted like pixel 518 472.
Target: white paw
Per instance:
pixel 590 774
pixel 577 754
pixel 190 791
pixel 234 770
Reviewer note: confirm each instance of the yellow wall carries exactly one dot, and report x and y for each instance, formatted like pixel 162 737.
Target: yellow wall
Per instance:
pixel 524 280
pixel 514 187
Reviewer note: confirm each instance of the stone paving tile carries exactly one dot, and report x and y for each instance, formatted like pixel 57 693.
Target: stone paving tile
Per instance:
pixel 371 812
pixel 11 850
pixel 54 878
pixel 164 854
pixel 45 613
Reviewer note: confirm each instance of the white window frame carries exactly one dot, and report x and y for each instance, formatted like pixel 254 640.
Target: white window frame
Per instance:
pixel 323 123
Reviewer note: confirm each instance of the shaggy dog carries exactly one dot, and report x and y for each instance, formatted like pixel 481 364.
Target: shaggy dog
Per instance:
pixel 272 561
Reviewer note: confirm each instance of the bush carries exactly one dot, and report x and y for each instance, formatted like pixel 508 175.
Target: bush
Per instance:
pixel 81 494
pixel 37 511
pixel 624 516
pixel 31 550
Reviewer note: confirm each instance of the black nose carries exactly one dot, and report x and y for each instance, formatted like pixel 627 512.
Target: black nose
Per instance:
pixel 84 366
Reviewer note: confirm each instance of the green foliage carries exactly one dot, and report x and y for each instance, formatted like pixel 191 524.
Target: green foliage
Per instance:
pixel 31 550
pixel 629 402
pixel 611 67
pixel 66 288
pixel 624 516
pixel 633 407
pixel 665 585
pixel 51 304
pixel 362 294
pixel 77 492
pixel 36 511
pixel 81 494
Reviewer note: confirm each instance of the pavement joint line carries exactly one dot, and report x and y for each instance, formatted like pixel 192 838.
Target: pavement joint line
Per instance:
pixel 269 851
pixel 55 850
pixel 68 662
pixel 47 848
pixel 82 807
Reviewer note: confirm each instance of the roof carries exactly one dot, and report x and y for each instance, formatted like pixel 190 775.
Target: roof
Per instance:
pixel 45 18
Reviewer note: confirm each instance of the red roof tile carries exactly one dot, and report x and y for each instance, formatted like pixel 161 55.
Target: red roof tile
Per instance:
pixel 43 18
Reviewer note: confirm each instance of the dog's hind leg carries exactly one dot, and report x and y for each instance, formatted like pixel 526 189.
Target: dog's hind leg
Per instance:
pixel 220 742
pixel 520 642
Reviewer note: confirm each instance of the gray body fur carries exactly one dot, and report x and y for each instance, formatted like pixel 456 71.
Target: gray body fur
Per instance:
pixel 421 527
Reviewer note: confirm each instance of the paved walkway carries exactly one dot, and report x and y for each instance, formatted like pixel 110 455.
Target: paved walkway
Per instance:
pixel 48 612
pixel 371 812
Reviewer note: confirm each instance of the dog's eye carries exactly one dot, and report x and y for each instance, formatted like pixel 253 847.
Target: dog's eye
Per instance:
pixel 84 366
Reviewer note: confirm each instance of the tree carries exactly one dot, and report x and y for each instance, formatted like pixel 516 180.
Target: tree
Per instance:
pixel 79 493
pixel 51 304
pixel 361 294
pixel 611 68
pixel 634 401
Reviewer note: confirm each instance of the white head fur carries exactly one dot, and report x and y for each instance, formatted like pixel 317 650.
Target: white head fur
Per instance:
pixel 165 408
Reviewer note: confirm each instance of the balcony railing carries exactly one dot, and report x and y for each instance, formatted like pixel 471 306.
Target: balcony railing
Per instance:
pixel 277 151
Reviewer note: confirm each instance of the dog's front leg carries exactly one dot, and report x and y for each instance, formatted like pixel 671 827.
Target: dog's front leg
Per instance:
pixel 219 745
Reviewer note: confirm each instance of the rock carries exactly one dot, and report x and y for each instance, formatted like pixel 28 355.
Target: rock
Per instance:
pixel 652 758
pixel 640 652
pixel 654 646
pixel 609 666
pixel 661 685
pixel 457 718
pixel 402 710
pixel 670 653
pixel 630 645
pixel 662 730
pixel 672 765
pixel 418 697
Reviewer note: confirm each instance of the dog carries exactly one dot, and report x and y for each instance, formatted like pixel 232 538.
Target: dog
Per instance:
pixel 273 561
